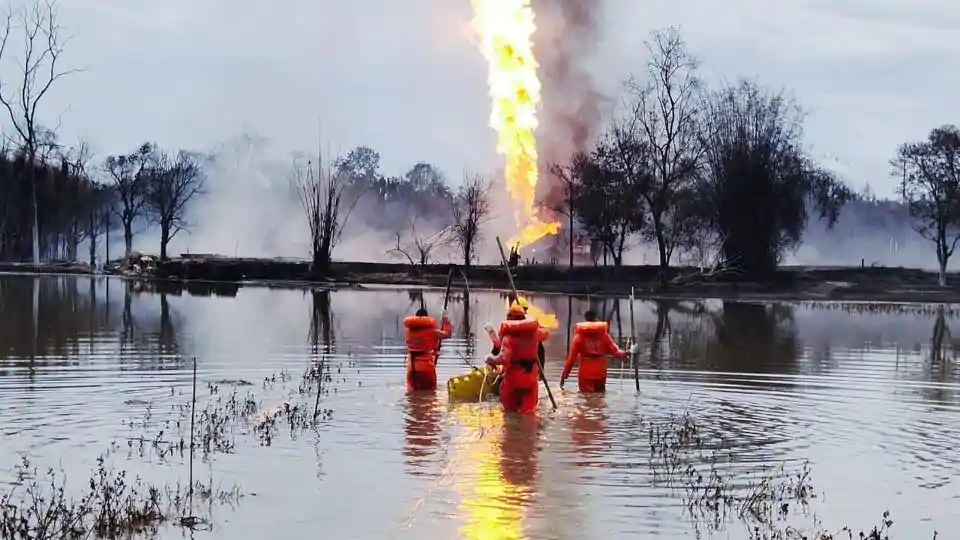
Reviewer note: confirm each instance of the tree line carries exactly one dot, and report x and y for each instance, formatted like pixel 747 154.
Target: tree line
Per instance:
pixel 692 170
pixel 70 201
pixel 53 198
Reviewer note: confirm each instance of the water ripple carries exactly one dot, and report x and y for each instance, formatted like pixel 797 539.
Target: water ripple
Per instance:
pixel 866 397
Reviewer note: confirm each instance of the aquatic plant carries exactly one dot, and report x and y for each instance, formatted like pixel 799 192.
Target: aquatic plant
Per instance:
pixel 881 308
pixel 768 500
pixel 40 506
pixel 223 416
pixel 880 531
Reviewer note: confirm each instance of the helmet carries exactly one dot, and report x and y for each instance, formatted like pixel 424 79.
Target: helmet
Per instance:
pixel 522 302
pixel 516 311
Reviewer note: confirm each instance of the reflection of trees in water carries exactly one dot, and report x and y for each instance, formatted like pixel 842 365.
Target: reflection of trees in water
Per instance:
pixel 48 316
pixel 739 337
pixel 941 365
pixel 167 342
pixel 150 340
pixel 866 327
pixel 52 319
pixel 754 338
pixel 321 339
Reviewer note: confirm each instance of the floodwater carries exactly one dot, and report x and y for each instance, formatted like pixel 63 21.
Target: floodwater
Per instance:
pixel 868 394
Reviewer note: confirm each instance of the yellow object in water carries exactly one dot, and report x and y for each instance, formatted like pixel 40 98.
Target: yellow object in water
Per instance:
pixel 467 387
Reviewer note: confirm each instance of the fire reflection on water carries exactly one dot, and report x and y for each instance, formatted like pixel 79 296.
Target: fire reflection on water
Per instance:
pixel 501 451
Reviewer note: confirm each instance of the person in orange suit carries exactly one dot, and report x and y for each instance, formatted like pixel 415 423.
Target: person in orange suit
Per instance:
pixel 590 348
pixel 518 339
pixel 423 338
pixel 541 352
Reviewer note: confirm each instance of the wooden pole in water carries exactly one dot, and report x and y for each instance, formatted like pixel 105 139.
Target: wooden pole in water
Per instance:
pixel 446 302
pixel 513 287
pixel 633 341
pixel 193 411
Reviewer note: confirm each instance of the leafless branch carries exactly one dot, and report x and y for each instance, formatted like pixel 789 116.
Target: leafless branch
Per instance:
pixel 128 174
pixel 321 188
pixel 663 117
pixel 471 211
pixel 39 66
pixel 171 183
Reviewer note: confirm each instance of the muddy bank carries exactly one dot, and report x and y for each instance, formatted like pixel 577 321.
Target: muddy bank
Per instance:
pixel 801 283
pixel 45 268
pixel 205 275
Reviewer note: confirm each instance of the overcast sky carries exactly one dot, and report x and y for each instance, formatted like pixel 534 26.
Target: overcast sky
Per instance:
pixel 403 77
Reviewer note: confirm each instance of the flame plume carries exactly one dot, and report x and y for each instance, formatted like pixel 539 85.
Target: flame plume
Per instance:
pixel 506 29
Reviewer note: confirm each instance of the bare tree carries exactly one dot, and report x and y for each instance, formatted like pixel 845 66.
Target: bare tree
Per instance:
pixel 322 188
pixel 419 250
pixel 471 211
pixel 662 117
pixel 171 184
pixel 99 214
pixel 565 205
pixel 77 161
pixel 39 68
pixel 128 176
pixel 930 186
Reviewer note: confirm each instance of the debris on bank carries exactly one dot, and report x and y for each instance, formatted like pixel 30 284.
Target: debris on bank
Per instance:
pixel 137 264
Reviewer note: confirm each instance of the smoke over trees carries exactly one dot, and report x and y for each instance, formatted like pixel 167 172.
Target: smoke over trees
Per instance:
pixel 701 168
pixel 753 153
pixel 571 117
pixel 695 174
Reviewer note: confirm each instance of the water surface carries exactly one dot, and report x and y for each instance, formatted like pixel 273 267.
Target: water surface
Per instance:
pixel 867 393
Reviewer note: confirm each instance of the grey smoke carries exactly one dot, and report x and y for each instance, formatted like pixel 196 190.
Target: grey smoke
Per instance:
pixel 568 32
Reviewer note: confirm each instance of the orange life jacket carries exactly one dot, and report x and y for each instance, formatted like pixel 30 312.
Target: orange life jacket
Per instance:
pixel 520 339
pixel 421 335
pixel 592 345
pixel 592 338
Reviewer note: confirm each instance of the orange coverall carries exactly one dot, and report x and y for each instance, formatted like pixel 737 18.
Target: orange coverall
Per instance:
pixel 423 339
pixel 591 345
pixel 520 386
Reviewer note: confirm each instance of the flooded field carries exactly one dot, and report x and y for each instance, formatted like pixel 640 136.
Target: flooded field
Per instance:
pixel 750 418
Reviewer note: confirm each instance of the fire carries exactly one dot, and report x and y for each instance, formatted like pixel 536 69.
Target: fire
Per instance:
pixel 506 29
pixel 546 320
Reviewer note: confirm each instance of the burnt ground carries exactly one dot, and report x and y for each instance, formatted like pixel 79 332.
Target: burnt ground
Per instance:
pixel 223 275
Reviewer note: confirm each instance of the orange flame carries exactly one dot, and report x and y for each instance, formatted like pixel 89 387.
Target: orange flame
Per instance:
pixel 546 319
pixel 506 29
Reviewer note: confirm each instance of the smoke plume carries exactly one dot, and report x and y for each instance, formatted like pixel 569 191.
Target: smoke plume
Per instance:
pixel 567 37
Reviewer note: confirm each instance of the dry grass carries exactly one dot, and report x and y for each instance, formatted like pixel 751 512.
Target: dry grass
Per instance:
pixel 42 506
